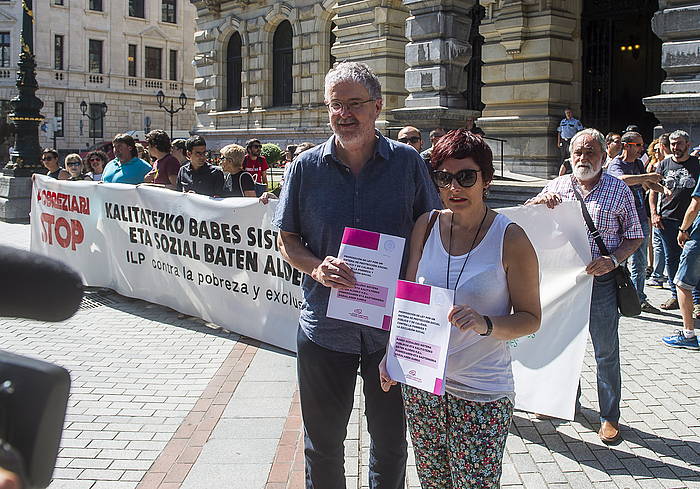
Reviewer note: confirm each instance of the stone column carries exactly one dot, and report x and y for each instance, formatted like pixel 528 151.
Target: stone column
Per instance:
pixel 437 52
pixel 531 73
pixel 677 23
pixel 373 33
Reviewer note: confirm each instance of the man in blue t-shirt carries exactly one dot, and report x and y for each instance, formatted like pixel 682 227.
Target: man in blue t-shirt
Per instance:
pixel 688 274
pixel 568 127
pixel 126 167
pixel 629 168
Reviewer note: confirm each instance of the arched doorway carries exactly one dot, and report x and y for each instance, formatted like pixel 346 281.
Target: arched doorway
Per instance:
pixel 621 64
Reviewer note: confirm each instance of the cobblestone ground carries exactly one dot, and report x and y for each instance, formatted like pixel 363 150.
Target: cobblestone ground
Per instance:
pixel 159 400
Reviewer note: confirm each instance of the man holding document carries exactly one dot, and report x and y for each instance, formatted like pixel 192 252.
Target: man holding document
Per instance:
pixel 357 179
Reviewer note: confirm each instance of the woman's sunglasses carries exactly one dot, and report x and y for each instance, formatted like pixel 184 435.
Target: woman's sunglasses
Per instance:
pixel 465 178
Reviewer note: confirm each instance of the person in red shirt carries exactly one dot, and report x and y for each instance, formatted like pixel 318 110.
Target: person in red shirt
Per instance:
pixel 254 162
pixel 166 166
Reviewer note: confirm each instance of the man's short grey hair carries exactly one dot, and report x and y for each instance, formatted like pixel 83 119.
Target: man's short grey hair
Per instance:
pixel 680 134
pixel 355 72
pixel 594 133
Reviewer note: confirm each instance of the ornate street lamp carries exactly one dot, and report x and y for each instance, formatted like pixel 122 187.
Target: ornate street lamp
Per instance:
pixel 160 98
pixel 100 117
pixel 25 115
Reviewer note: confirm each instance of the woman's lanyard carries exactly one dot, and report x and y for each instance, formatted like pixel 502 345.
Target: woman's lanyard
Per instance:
pixel 449 249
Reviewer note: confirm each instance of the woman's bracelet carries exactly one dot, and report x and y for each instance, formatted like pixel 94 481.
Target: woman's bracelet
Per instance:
pixel 489 327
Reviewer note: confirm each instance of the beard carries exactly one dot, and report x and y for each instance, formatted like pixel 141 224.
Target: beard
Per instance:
pixel 585 173
pixel 348 135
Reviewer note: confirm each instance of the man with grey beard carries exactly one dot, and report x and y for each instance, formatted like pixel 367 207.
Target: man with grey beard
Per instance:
pixel 611 205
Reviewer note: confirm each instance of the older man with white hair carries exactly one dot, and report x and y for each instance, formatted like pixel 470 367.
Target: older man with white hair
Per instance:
pixel 358 179
pixel 611 205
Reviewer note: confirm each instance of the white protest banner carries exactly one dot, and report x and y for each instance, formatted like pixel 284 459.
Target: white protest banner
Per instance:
pixel 547 365
pixel 217 259
pixel 211 258
pixel 375 259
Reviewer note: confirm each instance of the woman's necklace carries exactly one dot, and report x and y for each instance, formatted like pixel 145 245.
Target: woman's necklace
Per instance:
pixel 449 249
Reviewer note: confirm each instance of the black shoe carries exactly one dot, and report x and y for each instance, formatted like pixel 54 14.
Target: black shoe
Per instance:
pixel 646 307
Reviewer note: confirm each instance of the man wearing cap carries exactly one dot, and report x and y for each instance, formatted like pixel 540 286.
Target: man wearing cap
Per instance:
pixel 254 162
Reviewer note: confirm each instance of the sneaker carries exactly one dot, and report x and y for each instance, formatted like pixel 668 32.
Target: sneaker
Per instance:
pixel 655 283
pixel 678 340
pixel 696 311
pixel 646 307
pixel 670 304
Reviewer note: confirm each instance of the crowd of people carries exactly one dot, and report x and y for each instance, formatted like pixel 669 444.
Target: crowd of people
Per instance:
pixel 662 177
pixel 436 200
pixel 180 165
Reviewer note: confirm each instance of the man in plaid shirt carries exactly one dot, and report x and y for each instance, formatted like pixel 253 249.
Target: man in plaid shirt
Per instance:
pixel 611 206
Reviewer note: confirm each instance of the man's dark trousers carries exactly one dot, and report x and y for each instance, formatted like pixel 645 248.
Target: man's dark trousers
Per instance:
pixel 326 387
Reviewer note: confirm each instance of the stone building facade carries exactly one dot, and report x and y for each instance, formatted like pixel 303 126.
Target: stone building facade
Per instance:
pixel 524 61
pixel 120 53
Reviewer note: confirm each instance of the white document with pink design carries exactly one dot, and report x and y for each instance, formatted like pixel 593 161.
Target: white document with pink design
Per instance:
pixel 420 336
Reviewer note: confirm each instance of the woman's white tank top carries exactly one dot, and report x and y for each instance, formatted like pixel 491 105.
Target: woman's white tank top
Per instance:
pixel 478 367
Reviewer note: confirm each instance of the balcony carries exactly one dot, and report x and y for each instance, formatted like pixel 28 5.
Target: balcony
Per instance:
pixel 5 73
pixel 96 79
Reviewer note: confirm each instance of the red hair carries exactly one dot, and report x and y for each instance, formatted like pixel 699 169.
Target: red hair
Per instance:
pixel 459 144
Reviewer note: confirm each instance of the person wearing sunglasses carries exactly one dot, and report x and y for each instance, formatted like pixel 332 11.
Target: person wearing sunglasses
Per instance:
pixel 96 162
pixel 49 158
pixel 75 166
pixel 489 262
pixel 629 168
pixel 610 203
pixel 255 162
pixel 358 179
pixel 411 136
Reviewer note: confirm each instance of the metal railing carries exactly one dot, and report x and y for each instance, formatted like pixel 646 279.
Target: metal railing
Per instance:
pixel 501 141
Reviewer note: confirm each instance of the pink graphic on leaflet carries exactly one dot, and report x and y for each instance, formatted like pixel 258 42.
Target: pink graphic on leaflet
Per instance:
pixel 361 238
pixel 371 294
pixel 416 351
pixel 411 291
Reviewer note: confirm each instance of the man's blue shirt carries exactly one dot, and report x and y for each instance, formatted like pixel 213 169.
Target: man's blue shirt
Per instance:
pixel 569 127
pixel 321 196
pixel 132 171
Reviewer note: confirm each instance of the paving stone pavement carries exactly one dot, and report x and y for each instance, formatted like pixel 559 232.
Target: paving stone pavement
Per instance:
pixel 161 400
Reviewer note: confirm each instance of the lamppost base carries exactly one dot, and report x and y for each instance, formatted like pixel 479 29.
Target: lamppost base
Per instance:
pixel 15 198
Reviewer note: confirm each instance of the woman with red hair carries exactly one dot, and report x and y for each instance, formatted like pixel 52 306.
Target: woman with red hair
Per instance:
pixel 459 438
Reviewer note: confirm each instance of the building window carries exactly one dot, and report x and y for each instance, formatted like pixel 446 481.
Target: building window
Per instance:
pixel 282 59
pixel 58 116
pixel 169 12
pixel 234 67
pixel 95 56
pixel 137 9
pixel 4 49
pixel 131 60
pixel 330 45
pixel 96 121
pixel 58 2
pixel 58 52
pixel 154 62
pixel 172 66
pixel 95 5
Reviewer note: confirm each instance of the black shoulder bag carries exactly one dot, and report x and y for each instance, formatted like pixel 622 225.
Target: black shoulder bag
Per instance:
pixel 627 298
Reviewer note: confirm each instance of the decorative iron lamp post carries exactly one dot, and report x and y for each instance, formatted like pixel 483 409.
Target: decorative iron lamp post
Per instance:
pixel 25 115
pixel 100 117
pixel 160 97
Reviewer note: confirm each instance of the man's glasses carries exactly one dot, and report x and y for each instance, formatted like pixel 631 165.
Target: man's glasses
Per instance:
pixel 635 144
pixel 412 140
pixel 465 178
pixel 336 107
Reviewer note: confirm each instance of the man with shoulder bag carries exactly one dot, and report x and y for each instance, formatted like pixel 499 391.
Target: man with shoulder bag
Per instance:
pixel 614 233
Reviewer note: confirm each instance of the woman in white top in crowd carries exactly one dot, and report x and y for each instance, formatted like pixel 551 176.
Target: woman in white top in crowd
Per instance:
pixel 489 261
